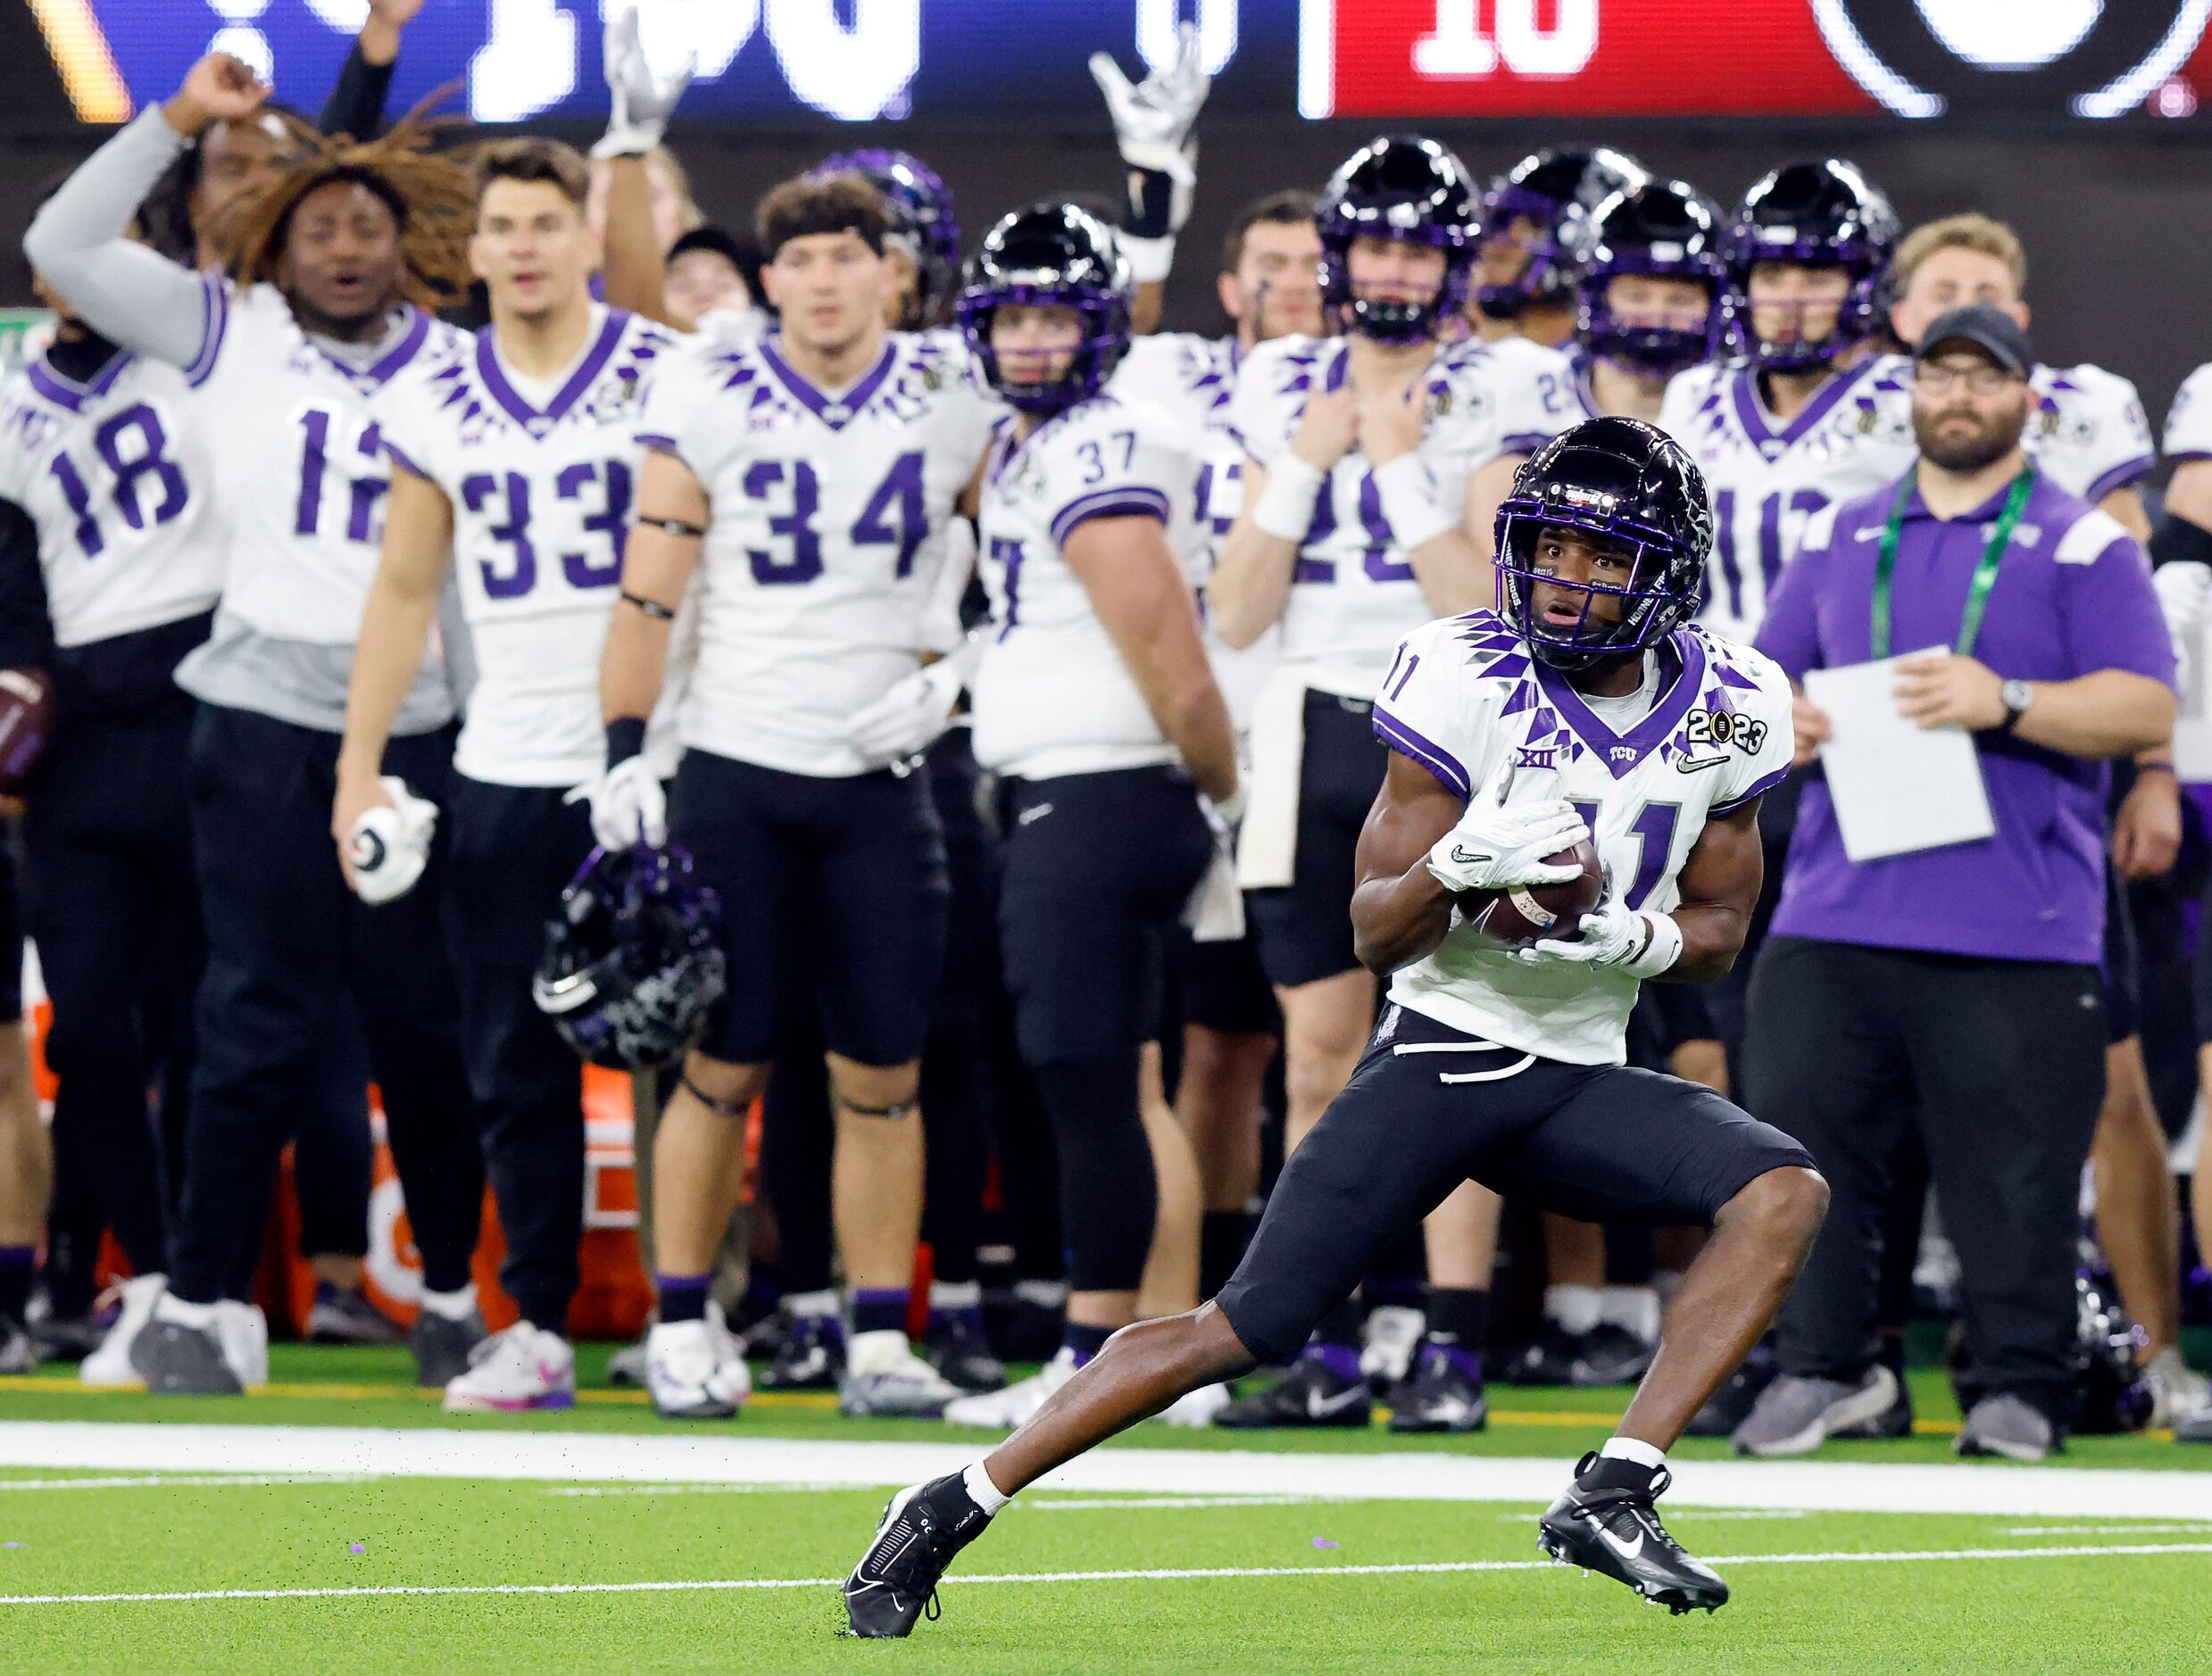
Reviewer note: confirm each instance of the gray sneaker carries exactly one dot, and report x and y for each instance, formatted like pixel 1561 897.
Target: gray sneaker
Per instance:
pixel 626 1366
pixel 18 1354
pixel 442 1345
pixel 2195 1428
pixel 179 1361
pixel 340 1316
pixel 1795 1415
pixel 2005 1425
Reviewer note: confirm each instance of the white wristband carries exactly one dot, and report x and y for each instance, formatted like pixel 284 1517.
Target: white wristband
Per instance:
pixel 1410 504
pixel 1284 509
pixel 1150 259
pixel 1661 953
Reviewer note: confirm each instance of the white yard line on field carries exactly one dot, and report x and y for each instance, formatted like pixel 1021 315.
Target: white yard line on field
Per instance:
pixel 1149 1575
pixel 584 1458
pixel 191 1481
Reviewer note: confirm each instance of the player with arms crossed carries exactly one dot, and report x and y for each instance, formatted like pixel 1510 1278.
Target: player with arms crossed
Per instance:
pixel 512 466
pixel 1375 461
pixel 1584 706
pixel 804 481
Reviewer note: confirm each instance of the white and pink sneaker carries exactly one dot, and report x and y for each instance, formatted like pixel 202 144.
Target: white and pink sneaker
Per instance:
pixel 523 1368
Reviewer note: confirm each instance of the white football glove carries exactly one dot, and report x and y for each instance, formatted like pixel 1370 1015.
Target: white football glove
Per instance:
pixel 389 845
pixel 1215 912
pixel 1496 845
pixel 906 721
pixel 629 806
pixel 2184 589
pixel 1153 118
pixel 1640 943
pixel 639 97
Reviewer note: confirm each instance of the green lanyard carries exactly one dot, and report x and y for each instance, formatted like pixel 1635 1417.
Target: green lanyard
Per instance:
pixel 1985 573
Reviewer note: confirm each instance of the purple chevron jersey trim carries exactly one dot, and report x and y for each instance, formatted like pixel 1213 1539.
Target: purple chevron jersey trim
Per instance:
pixel 1425 750
pixel 587 371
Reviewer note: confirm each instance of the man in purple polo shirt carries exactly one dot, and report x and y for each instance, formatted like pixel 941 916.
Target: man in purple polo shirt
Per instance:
pixel 1956 987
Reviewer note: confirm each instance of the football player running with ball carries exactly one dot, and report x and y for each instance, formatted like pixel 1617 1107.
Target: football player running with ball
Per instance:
pixel 1585 706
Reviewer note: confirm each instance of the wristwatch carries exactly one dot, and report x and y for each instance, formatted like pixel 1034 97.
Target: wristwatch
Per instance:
pixel 2016 696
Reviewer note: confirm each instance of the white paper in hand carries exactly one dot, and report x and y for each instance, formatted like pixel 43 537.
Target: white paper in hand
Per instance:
pixel 1897 786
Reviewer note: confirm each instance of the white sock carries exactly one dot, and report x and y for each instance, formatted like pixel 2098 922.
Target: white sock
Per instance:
pixel 451 1306
pixel 1571 1308
pixel 812 1306
pixel 173 1308
pixel 1634 1308
pixel 1045 1294
pixel 1665 1283
pixel 982 1491
pixel 955 1294
pixel 1635 1449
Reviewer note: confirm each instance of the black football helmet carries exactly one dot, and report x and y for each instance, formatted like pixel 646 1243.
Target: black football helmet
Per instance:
pixel 1666 229
pixel 1412 190
pixel 633 960
pixel 1627 482
pixel 1555 188
pixel 1820 214
pixel 1052 254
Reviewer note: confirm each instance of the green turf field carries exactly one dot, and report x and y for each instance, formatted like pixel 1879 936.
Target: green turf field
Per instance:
pixel 621 1544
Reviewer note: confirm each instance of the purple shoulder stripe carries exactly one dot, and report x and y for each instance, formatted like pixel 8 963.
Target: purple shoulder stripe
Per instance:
pixel 214 323
pixel 1130 501
pixel 1756 791
pixel 2126 472
pixel 1524 442
pixel 1423 750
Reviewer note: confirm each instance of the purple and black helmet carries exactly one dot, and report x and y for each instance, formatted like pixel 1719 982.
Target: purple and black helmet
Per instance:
pixel 633 958
pixel 1629 485
pixel 1666 229
pixel 923 226
pixel 1056 254
pixel 1555 188
pixel 1407 189
pixel 1821 215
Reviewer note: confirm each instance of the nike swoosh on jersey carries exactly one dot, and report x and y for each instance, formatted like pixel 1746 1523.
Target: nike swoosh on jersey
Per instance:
pixel 1693 765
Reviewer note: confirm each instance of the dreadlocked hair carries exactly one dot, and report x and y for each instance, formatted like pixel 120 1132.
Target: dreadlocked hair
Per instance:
pixel 429 193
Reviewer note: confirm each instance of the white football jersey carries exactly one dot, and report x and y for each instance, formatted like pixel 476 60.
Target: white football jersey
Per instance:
pixel 115 474
pixel 1767 477
pixel 1194 378
pixel 1709 731
pixel 300 469
pixel 1354 593
pixel 2088 433
pixel 827 538
pixel 1052 696
pixel 541 503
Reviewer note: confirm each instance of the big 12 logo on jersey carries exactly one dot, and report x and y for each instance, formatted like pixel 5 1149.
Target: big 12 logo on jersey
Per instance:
pixel 2091 58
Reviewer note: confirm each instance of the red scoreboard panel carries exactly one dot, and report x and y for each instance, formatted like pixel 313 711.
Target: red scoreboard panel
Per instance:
pixel 1909 58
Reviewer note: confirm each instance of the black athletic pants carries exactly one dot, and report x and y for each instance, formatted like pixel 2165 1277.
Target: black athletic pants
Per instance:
pixel 1999 1065
pixel 513 851
pixel 286 941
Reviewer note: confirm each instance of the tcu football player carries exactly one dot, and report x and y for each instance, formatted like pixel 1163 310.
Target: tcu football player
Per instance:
pixel 1095 706
pixel 800 485
pixel 337 256
pixel 1587 708
pixel 1525 280
pixel 512 472
pixel 1371 461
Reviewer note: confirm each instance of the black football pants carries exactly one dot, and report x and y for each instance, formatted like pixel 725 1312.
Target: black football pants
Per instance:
pixel 1998 1067
pixel 286 942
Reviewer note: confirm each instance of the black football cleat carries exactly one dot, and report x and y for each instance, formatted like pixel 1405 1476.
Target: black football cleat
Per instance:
pixel 956 1348
pixel 812 1356
pixel 441 1347
pixel 1552 1358
pixel 1311 1394
pixel 1617 1530
pixel 896 1581
pixel 1444 1393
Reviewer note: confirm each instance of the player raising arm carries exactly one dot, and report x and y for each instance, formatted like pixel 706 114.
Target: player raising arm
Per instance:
pixel 1585 709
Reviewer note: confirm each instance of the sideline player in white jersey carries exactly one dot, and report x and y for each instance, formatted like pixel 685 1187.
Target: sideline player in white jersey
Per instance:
pixel 1096 708
pixel 2088 434
pixel 1269 287
pixel 1584 708
pixel 806 480
pixel 513 467
pixel 109 572
pixel 1372 461
pixel 337 256
pixel 1812 412
pixel 1531 218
